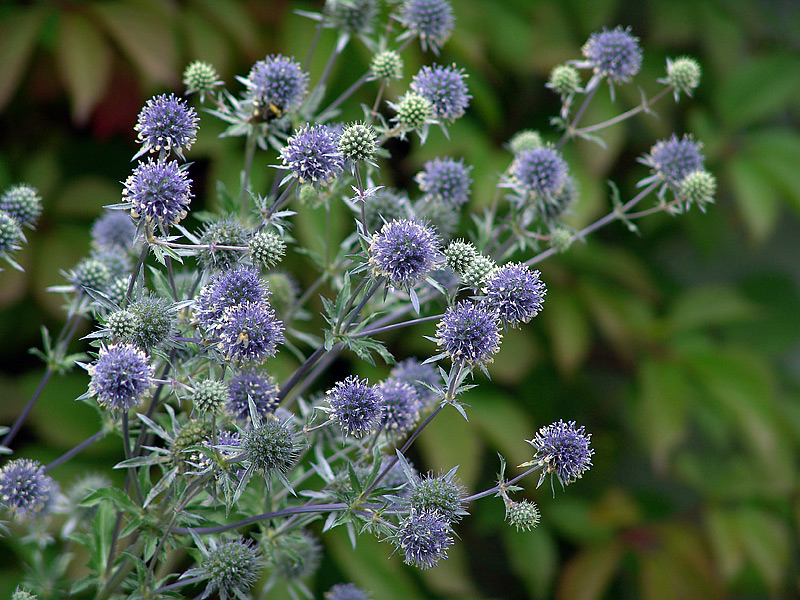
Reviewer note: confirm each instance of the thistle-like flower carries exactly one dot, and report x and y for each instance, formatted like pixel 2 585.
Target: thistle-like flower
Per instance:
pixel 23 203
pixel 417 374
pixel 698 188
pixel 296 555
pixel 346 591
pixel 353 16
pixel 166 124
pixel 423 537
pixel 89 274
pixel 271 447
pixel 275 86
pixel 200 78
pixel 113 228
pixel 226 290
pixel 563 451
pixel 445 89
pixel 231 568
pixel 683 74
pixel 120 377
pixel 431 21
pixel 523 515
pixel 414 113
pixel 224 232
pixel 469 333
pixel 24 487
pixel 249 385
pixel 210 396
pixel 11 235
pixel 614 54
pixel 540 171
pixel 357 406
pixel 441 493
pixel 445 180
pixel 404 251
pixel 312 155
pixel 527 139
pixel 564 80
pixel 515 292
pixel 249 333
pixel 401 406
pixel 387 65
pixel 673 159
pixel 158 192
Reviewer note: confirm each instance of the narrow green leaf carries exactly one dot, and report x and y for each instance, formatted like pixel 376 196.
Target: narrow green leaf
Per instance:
pixel 588 575
pixel 84 63
pixel 708 306
pixel 19 30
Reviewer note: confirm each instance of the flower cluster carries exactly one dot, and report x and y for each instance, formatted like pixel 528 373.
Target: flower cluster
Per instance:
pixel 312 155
pixel 404 251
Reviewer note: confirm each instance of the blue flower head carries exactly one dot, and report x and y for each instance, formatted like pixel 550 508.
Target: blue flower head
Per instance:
pixel 515 292
pixel 424 537
pixel 346 591
pixel 250 332
pixel 673 159
pixel 23 203
pixel 166 124
pixel 251 385
pixel 444 88
pixel 540 171
pixel 120 377
pixel 312 155
pixel 416 374
pixel 404 251
pixel 114 228
pixel 353 16
pixel 445 180
pixel 469 333
pixel 357 406
pixel 276 86
pixel 431 21
pixel 24 487
pixel 226 290
pixel 158 192
pixel 401 406
pixel 562 450
pixel 614 54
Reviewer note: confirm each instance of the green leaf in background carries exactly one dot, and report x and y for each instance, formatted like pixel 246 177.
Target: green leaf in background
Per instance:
pixel 777 151
pixel 588 575
pixel 709 306
pixel 568 329
pixel 660 411
pixel 84 62
pixel 759 88
pixel 755 196
pixel 19 30
pixel 534 557
pixel 142 28
pixel 447 441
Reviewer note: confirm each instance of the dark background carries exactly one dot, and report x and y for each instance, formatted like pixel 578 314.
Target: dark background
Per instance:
pixel 677 348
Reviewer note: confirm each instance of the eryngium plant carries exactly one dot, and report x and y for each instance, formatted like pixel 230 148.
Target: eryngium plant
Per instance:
pixel 189 321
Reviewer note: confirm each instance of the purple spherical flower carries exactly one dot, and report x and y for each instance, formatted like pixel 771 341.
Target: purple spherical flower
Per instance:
pixel 673 159
pixel 446 180
pixel 404 251
pixel 444 88
pixel 515 292
pixel 277 85
pixel 159 192
pixel 562 450
pixel 542 171
pixel 251 385
pixel 469 333
pixel 416 374
pixel 225 290
pixel 121 375
pixel 114 228
pixel 614 54
pixel 312 155
pixel 346 591
pixel 401 405
pixel 424 537
pixel 250 332
pixel 23 203
pixel 166 123
pixel 430 20
pixel 355 405
pixel 24 487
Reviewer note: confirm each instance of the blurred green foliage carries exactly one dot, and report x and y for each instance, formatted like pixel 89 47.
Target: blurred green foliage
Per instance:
pixel 679 349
